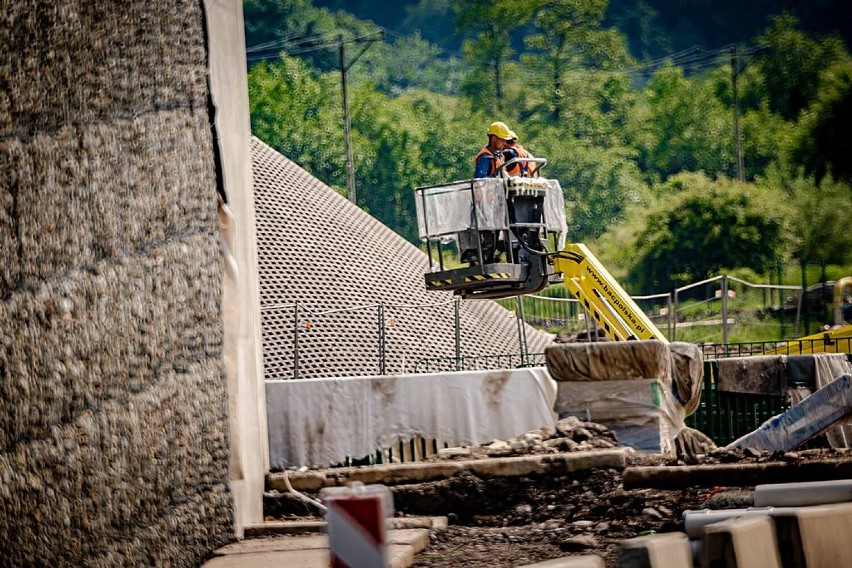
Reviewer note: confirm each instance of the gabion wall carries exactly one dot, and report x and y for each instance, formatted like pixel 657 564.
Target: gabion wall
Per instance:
pixel 113 407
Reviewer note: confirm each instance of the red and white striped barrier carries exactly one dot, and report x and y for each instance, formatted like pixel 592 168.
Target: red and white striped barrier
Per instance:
pixel 356 525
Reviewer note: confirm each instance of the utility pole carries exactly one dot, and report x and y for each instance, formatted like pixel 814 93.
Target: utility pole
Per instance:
pixel 737 138
pixel 347 130
pixel 347 137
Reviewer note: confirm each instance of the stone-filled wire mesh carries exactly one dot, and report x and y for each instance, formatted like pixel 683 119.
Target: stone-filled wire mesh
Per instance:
pixel 318 250
pixel 113 428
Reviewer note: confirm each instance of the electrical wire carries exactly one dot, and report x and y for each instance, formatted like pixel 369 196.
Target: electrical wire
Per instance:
pixel 304 46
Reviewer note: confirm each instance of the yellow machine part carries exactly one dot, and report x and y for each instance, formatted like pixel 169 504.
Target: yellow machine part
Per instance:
pixel 612 308
pixel 832 341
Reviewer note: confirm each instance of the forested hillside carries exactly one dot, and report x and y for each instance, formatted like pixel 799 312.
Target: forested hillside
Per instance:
pixel 653 28
pixel 645 146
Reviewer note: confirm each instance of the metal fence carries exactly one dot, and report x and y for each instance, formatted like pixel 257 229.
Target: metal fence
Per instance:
pixel 726 416
pixel 722 309
pixel 389 338
pixel 719 313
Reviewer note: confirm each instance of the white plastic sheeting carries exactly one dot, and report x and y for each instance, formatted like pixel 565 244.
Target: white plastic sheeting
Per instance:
pixel 319 422
pixel 641 412
pixel 828 366
pixel 802 422
pixel 448 209
pixel 554 211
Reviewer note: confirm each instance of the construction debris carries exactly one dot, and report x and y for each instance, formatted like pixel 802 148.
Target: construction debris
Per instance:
pixel 803 421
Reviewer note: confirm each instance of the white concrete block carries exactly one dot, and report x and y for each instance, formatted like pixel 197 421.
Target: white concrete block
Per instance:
pixel 667 550
pixel 745 542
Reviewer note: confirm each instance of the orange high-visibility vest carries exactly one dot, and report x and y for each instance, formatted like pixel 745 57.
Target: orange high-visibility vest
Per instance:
pixel 520 168
pixel 496 162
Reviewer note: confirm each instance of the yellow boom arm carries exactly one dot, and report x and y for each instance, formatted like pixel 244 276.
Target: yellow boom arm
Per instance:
pixel 613 309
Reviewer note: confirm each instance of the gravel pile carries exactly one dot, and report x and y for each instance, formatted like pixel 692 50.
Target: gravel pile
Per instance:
pixel 571 435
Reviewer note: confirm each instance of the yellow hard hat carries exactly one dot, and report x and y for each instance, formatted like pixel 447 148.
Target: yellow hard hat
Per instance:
pixel 500 130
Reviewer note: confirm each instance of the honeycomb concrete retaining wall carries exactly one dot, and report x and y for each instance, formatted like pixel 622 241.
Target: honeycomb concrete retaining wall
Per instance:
pixel 113 434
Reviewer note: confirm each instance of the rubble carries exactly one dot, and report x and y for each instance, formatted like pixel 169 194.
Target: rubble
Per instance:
pixel 571 435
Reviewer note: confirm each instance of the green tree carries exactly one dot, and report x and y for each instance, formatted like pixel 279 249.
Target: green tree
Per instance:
pixel 568 39
pixel 274 20
pixel 297 28
pixel 792 65
pixel 822 146
pixel 299 115
pixel 432 19
pixel 487 53
pixel 599 183
pixel 819 213
pixel 408 63
pixel 696 232
pixel 679 125
pixel 418 138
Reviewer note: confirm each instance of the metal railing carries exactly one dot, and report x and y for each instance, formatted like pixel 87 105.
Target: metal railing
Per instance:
pixel 716 313
pixel 293 335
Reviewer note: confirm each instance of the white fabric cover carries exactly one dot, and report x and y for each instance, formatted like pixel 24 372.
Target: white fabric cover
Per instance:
pixel 319 422
pixel 803 421
pixel 448 208
pixel 610 361
pixel 829 366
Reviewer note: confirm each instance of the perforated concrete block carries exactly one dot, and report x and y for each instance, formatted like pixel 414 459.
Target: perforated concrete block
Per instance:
pixel 744 542
pixel 585 561
pixel 816 537
pixel 668 550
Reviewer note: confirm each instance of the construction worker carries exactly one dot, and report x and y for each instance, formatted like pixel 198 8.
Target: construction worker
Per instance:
pixel 487 162
pixel 515 150
pixel 490 158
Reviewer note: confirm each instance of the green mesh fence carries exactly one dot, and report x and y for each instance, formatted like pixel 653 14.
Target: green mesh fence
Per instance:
pixel 725 416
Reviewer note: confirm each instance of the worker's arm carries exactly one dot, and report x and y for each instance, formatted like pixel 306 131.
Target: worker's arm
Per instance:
pixel 483 166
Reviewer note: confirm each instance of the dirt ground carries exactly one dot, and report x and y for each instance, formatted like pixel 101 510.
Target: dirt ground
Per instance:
pixel 512 521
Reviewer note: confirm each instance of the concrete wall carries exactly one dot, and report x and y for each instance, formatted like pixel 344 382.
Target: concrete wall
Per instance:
pixel 114 431
pixel 241 299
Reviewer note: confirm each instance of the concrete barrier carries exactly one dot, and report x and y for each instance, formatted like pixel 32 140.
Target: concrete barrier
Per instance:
pixel 589 561
pixel 816 537
pixel 746 542
pixel 668 550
